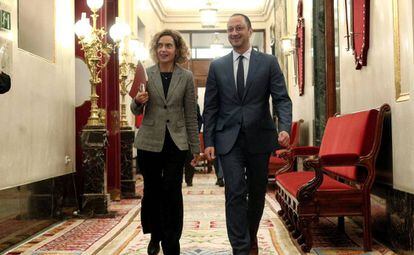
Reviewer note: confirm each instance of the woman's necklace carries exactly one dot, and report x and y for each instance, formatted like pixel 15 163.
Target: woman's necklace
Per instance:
pixel 166 76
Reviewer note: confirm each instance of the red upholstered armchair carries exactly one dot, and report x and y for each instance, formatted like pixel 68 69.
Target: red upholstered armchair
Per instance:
pixel 282 160
pixel 341 180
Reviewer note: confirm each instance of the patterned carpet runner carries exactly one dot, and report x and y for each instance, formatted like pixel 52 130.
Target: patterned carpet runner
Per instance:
pixel 204 230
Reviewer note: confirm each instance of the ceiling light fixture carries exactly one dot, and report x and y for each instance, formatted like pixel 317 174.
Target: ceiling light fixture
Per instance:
pixel 208 16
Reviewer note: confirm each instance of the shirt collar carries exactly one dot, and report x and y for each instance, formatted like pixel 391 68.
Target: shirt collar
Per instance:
pixel 246 54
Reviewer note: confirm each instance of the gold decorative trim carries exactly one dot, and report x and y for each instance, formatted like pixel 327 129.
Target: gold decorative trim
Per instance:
pixel 399 95
pixel 115 194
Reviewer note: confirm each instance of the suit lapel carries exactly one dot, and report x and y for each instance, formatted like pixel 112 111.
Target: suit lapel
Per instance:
pixel 253 64
pixel 175 81
pixel 157 83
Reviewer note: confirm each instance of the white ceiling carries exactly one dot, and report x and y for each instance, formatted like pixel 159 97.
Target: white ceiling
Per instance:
pixel 224 5
pixel 188 10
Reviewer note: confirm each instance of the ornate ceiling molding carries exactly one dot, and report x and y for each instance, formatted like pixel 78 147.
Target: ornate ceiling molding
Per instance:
pixel 193 16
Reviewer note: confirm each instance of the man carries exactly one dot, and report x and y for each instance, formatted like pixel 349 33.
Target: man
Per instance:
pixel 239 128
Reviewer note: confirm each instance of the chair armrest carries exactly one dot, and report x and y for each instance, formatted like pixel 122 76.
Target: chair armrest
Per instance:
pixel 283 153
pixel 307 191
pixel 297 152
pixel 305 151
pixel 345 159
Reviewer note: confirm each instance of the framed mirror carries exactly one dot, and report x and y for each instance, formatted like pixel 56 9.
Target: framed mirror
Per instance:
pixel 36 27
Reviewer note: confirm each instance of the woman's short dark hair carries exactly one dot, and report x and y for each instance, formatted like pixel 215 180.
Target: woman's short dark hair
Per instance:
pixel 182 52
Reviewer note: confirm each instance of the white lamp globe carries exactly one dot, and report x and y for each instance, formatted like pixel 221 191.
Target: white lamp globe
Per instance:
pixel 83 28
pixel 119 30
pixel 139 51
pixel 95 5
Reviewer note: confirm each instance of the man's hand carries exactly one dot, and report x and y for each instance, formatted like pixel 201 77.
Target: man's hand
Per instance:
pixel 141 97
pixel 210 153
pixel 284 139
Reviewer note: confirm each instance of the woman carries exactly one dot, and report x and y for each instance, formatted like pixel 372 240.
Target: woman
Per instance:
pixel 167 132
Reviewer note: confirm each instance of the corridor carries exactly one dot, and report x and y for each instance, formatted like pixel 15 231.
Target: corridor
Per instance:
pixel 70 70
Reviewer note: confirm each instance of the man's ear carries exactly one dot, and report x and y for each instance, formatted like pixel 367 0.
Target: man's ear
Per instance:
pixel 250 31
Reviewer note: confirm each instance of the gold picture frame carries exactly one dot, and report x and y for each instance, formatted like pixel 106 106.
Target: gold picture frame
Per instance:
pixel 400 95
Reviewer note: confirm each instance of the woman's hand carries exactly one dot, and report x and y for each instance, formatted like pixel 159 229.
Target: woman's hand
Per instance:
pixel 141 97
pixel 195 160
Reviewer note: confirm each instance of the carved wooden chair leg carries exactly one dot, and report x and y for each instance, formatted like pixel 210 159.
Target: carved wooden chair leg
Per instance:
pixel 293 219
pixel 341 223
pixel 281 212
pixel 367 230
pixel 285 214
pixel 209 167
pixel 306 223
pixel 296 233
pixel 288 221
pixel 300 239
pixel 291 226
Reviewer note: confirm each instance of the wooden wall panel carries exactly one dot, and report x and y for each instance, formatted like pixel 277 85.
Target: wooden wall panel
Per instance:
pixel 200 71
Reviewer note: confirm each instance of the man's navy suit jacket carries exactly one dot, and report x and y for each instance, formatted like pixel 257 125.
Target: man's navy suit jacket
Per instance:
pixel 225 113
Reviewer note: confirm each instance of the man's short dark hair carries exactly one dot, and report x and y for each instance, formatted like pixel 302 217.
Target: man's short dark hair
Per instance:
pixel 249 24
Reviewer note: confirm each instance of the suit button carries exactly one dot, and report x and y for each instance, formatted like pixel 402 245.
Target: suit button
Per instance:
pixel 168 121
pixel 239 123
pixel 165 107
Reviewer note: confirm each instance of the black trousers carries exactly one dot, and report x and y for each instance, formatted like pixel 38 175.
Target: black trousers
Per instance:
pixel 162 203
pixel 245 176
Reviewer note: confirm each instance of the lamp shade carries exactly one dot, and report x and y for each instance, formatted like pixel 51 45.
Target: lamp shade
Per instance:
pixel 138 50
pixel 208 16
pixel 83 28
pixel 95 5
pixel 119 30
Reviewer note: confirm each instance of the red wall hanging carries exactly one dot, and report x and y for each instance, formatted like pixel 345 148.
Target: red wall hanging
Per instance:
pixel 300 49
pixel 357 26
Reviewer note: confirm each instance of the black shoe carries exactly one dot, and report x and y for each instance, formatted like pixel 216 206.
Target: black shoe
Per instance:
pixel 220 182
pixel 189 184
pixel 153 247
